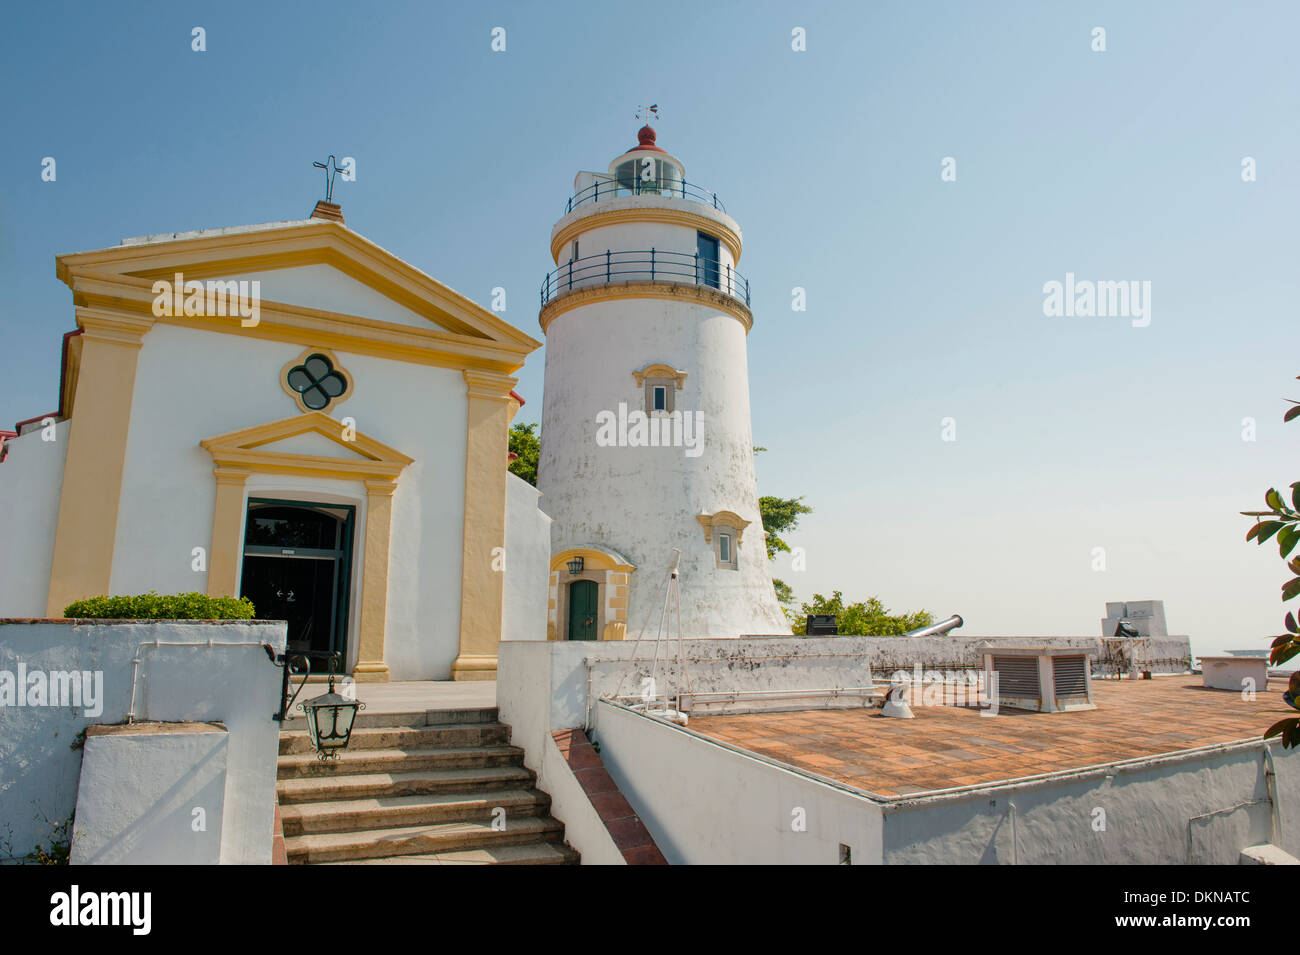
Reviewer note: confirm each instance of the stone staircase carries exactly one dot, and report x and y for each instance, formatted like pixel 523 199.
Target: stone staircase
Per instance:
pixel 420 788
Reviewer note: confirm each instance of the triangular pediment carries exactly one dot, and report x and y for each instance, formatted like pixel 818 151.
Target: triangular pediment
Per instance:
pixel 311 272
pixel 311 444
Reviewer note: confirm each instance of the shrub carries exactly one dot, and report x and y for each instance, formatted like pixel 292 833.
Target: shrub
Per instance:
pixel 152 606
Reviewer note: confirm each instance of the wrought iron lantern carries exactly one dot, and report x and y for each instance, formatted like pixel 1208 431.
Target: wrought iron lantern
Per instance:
pixel 330 718
pixel 575 566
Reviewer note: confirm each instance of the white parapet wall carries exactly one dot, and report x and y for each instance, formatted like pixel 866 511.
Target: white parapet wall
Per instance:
pixel 59 677
pixel 578 673
pixel 706 803
pixel 1200 807
pixel 151 794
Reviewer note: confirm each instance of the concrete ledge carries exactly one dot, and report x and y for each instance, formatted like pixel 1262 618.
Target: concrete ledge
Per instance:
pixel 151 793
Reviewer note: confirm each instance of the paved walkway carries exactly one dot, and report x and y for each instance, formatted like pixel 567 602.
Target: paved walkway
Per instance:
pixel 407 697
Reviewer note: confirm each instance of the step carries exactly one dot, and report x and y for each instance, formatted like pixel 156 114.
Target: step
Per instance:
pixel 389 812
pixel 475 714
pixel 404 737
pixel 414 840
pixel 298 765
pixel 363 785
pixel 537 853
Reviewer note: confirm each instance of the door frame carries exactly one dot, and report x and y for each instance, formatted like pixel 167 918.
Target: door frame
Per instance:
pixel 340 637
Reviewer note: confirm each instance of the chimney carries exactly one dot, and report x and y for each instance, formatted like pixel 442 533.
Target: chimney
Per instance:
pixel 328 210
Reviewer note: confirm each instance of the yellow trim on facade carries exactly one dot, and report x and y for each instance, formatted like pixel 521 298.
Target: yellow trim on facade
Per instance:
pixel 129 298
pixel 226 550
pixel 86 533
pixel 674 291
pixel 592 559
pixel 658 215
pixel 660 370
pixel 238 454
pixel 312 242
pixel 723 519
pixel 297 396
pixel 487 448
pixel 370 666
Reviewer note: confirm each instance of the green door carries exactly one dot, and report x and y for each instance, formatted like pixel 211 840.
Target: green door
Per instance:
pixel 582 610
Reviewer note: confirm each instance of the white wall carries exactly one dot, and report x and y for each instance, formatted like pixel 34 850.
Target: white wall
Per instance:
pixel 151 794
pixel 719 665
pixel 708 805
pixel 237 686
pixel 31 478
pixel 1201 809
pixel 524 699
pixel 192 385
pixel 528 562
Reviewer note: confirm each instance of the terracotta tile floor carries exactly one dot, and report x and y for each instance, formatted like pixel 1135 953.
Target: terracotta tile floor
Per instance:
pixel 947 746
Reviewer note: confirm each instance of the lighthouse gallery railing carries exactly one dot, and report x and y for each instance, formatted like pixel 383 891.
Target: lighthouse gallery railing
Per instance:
pixel 648 265
pixel 604 189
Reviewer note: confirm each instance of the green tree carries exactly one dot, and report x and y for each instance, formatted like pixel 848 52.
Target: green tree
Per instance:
pixel 869 618
pixel 784 593
pixel 780 515
pixel 1282 522
pixel 526 445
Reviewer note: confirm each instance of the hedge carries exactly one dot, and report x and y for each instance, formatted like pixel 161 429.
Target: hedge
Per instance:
pixel 152 606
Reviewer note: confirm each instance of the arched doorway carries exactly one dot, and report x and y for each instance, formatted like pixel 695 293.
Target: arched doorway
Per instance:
pixel 297 567
pixel 584 610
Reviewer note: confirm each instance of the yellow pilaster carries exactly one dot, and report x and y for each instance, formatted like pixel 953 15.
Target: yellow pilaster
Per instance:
pixel 227 519
pixel 92 473
pixel 481 587
pixel 370 666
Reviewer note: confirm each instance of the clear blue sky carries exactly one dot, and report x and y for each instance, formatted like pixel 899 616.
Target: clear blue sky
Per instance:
pixel 924 297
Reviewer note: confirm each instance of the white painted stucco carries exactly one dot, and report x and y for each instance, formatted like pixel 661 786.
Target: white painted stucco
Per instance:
pixel 525 691
pixel 528 553
pixel 31 477
pixel 168 488
pixel 40 755
pixel 152 794
pixel 326 288
pixel 709 805
pixel 643 501
pixel 579 673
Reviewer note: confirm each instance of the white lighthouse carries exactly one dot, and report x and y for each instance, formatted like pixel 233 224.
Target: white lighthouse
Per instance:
pixel 646 440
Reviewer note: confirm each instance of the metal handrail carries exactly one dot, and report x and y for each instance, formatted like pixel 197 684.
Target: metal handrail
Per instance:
pixel 609 188
pixel 644 265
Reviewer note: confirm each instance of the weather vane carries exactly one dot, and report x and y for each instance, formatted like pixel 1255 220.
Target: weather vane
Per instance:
pixel 647 113
pixel 331 170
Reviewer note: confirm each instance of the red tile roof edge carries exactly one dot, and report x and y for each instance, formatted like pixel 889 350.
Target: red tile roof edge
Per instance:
pixel 622 823
pixel 5 436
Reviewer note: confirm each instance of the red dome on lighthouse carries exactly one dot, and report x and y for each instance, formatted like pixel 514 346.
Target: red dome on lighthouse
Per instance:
pixel 645 138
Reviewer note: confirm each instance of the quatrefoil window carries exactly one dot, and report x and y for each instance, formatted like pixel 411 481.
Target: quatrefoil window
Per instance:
pixel 315 380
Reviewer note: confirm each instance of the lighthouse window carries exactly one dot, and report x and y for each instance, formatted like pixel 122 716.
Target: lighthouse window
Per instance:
pixel 660 398
pixel 724 532
pixel 726 552
pixel 708 267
